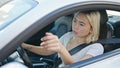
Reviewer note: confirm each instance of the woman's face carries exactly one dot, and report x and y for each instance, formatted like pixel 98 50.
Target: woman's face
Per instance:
pixel 81 26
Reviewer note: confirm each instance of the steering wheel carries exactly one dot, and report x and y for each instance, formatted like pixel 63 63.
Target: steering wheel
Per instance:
pixel 24 57
pixel 27 61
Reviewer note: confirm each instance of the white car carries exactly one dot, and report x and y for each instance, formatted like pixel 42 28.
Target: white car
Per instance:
pixel 28 20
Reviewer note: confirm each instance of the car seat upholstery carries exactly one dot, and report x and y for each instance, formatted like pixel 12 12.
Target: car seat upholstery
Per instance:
pixel 103 24
pixel 62 25
pixel 109 47
pixel 106 30
pixel 110 30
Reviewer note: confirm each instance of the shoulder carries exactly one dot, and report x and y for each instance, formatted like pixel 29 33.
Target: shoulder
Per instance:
pixel 95 49
pixel 96 45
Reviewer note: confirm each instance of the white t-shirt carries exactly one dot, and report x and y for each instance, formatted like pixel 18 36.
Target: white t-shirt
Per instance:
pixel 92 49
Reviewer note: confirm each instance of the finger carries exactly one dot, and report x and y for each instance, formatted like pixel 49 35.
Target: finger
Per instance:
pixel 51 45
pixel 49 37
pixel 48 33
pixel 48 42
pixel 54 49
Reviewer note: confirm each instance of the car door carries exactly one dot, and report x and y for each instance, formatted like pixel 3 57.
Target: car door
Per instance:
pixel 40 18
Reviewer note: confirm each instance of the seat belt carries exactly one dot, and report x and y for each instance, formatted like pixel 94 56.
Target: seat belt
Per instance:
pixel 78 48
pixel 102 41
pixel 109 41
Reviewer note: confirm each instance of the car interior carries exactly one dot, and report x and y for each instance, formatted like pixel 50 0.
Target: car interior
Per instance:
pixel 63 25
pixel 60 26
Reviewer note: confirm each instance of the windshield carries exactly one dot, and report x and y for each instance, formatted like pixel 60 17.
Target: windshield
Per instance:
pixel 14 9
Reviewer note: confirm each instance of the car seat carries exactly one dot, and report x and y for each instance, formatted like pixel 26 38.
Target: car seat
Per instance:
pixel 62 25
pixel 106 31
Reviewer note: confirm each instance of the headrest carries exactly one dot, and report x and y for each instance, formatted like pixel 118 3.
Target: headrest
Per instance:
pixel 103 24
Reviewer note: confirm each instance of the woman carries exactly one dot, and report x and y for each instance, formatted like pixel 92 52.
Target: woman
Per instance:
pixel 85 29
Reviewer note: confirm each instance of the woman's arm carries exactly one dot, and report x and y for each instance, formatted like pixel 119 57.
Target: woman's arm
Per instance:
pixel 95 50
pixel 87 56
pixel 36 49
pixel 52 43
pixel 65 56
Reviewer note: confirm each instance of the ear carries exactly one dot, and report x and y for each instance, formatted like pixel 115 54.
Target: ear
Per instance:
pixel 91 30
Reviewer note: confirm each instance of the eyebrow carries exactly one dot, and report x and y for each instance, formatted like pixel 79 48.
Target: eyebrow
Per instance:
pixel 79 20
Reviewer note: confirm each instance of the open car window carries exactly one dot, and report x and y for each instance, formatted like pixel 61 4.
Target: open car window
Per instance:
pixel 63 24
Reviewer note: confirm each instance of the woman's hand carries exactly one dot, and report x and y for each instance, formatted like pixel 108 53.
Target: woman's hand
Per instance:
pixel 24 45
pixel 51 42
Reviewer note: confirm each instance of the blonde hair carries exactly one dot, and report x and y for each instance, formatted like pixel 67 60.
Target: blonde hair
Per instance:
pixel 94 19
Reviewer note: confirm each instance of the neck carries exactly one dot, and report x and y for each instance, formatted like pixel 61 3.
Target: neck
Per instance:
pixel 79 40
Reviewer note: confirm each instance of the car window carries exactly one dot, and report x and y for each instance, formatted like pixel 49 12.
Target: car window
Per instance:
pixel 13 9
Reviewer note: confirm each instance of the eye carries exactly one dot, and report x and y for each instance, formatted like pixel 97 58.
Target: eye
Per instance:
pixel 81 23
